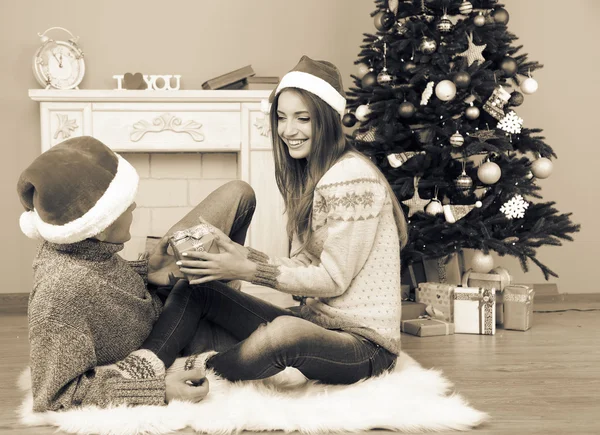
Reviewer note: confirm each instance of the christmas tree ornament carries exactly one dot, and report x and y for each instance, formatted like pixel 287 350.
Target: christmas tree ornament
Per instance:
pixel 393 6
pixel 365 136
pixel 483 135
pixel 482 262
pixel 489 173
pixel 349 120
pixel 398 159
pixel 416 203
pixel 427 93
pixel 457 140
pixel 453 212
pixel 495 104
pixel 542 167
pixel 384 20
pixel 529 85
pixel 529 175
pixel 516 99
pixel 444 25
pixel 465 8
pixel 369 79
pixel 515 207
pixel 384 78
pixel 445 90
pixel 500 16
pixel 434 207
pixel 462 79
pixel 362 112
pixel 362 69
pixel 473 53
pixel 408 67
pixel 427 45
pixel 401 28
pixel 509 66
pixel 463 183
pixel 406 109
pixel 472 112
pixel 479 20
pixel 511 123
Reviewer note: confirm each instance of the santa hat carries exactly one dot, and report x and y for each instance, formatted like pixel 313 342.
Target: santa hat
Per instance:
pixel 75 190
pixel 318 77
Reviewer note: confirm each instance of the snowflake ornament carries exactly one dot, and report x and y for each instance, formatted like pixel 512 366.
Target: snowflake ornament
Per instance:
pixel 515 208
pixel 511 123
pixel 427 93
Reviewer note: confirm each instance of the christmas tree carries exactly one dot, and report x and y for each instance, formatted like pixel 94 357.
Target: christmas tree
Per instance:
pixel 435 93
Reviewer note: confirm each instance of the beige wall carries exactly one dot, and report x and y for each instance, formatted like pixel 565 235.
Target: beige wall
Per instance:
pixel 200 39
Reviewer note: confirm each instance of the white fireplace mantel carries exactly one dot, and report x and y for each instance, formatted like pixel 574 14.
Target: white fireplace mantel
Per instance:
pixel 177 121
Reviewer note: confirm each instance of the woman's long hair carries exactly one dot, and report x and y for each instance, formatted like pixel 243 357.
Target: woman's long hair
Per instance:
pixel 297 178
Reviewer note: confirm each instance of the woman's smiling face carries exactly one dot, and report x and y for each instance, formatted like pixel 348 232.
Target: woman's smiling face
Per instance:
pixel 294 124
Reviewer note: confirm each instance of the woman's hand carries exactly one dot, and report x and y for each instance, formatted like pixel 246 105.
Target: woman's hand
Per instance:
pixel 161 265
pixel 188 385
pixel 224 237
pixel 230 264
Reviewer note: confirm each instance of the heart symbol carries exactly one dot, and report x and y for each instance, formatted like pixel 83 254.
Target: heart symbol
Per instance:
pixel 438 296
pixel 134 81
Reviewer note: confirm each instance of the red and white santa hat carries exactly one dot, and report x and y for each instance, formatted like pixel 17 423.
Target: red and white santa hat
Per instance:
pixel 319 77
pixel 75 190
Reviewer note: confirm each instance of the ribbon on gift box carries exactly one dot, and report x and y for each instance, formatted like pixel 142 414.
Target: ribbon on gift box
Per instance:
pixel 194 234
pixel 487 301
pixel 525 299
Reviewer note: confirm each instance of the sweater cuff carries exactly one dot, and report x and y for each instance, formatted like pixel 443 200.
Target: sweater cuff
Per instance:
pixel 257 256
pixel 141 364
pixel 136 392
pixel 266 274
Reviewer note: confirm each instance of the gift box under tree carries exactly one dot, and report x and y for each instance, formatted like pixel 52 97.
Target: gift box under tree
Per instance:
pixel 439 296
pixel 427 327
pixel 413 275
pixel 474 311
pixel 448 269
pixel 518 307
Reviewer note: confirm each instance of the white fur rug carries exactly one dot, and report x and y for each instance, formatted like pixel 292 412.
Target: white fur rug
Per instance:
pixel 411 399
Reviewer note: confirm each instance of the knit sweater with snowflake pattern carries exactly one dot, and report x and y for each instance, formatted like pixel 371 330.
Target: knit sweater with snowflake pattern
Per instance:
pixel 89 313
pixel 350 270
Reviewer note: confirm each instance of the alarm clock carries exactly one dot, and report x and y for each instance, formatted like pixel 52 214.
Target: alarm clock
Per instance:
pixel 58 64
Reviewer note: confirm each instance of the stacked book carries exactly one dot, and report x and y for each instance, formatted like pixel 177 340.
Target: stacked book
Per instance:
pixel 243 78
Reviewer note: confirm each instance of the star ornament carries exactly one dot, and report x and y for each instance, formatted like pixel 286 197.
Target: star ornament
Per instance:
pixel 474 53
pixel 416 203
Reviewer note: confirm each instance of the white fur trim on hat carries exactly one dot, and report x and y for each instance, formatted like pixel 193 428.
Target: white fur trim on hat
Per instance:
pixel 117 198
pixel 316 85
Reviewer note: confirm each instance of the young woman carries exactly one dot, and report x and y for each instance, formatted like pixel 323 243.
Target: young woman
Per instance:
pixel 92 331
pixel 347 230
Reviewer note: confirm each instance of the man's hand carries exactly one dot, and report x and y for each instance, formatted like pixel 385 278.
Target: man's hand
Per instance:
pixel 161 265
pixel 188 385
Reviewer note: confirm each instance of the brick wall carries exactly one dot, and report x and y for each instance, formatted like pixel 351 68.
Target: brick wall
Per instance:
pixel 170 186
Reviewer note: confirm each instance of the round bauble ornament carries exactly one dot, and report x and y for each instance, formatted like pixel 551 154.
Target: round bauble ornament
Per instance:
pixel 516 99
pixel 509 66
pixel 465 8
pixel 500 16
pixel 472 112
pixel 529 175
pixel 406 110
pixel 445 90
pixel 481 262
pixel 349 120
pixel 409 66
pixel 444 25
pixel 434 207
pixel 362 69
pixel 384 78
pixel 384 21
pixel 463 182
pixel 457 140
pixel 489 173
pixel 427 45
pixel 370 79
pixel 462 79
pixel 529 86
pixel 541 168
pixel 479 20
pixel 362 112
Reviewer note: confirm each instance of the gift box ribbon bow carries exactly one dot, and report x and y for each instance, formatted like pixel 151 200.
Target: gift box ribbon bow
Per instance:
pixel 194 234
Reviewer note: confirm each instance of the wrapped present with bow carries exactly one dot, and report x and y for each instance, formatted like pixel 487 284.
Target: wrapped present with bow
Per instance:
pixel 439 296
pixel 474 311
pixel 198 238
pixel 427 327
pixel 518 307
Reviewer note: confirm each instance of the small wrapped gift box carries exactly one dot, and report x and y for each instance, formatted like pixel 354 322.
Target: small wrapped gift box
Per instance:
pixel 447 270
pixel 497 279
pixel 198 238
pixel 412 310
pixel 439 296
pixel 518 307
pixel 413 275
pixel 474 311
pixel 427 327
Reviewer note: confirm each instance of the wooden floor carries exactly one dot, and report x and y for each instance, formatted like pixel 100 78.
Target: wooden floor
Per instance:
pixel 543 381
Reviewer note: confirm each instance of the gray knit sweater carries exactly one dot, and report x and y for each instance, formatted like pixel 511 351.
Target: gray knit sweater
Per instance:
pixel 89 312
